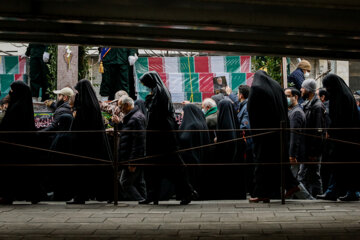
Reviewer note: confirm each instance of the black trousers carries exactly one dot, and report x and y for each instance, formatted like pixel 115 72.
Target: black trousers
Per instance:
pixel 114 78
pixel 177 175
pixel 38 79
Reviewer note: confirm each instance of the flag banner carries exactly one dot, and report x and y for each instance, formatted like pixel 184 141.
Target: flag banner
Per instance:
pixel 43 120
pixel 12 68
pixel 104 51
pixel 191 78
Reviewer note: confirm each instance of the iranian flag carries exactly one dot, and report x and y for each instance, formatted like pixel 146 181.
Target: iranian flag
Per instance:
pixel 191 78
pixel 12 68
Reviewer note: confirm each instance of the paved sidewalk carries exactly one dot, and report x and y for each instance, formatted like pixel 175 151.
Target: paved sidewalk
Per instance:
pixel 199 220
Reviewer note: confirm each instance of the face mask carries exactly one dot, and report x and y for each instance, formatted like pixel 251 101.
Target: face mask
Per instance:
pixel 289 102
pixel 307 74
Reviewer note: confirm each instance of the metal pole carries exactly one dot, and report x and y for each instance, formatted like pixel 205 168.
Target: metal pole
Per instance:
pixel 284 72
pixel 282 156
pixel 116 166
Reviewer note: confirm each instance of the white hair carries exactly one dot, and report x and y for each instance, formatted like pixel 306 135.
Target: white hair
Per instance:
pixel 208 102
pixel 127 100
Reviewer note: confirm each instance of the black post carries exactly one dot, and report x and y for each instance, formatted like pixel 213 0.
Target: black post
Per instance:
pixel 116 165
pixel 282 156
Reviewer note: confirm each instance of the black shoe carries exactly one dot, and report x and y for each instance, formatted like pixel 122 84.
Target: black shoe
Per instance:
pixel 5 201
pixel 148 201
pixel 36 201
pixel 76 201
pixel 185 201
pixel 195 195
pixel 327 196
pixel 349 197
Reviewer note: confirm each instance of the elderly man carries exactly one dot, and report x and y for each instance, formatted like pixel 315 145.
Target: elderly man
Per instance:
pixel 60 107
pixel 314 110
pixel 132 146
pixel 209 108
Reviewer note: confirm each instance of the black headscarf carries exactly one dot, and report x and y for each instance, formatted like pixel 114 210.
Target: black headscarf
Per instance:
pixel 18 117
pixel 218 97
pixel 343 114
pixel 227 120
pixel 88 117
pixel 160 98
pixel 193 119
pixel 86 105
pixel 342 105
pixel 160 117
pixel 267 107
pixel 20 113
pixel 267 104
pixel 17 182
pixel 229 183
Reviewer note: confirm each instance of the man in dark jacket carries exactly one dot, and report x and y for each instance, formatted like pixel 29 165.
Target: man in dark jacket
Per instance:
pixel 297 120
pixel 297 77
pixel 132 146
pixel 314 111
pixel 60 107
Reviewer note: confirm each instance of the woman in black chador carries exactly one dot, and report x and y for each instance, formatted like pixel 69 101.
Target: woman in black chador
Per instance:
pixel 230 182
pixel 194 119
pixel 267 107
pixel 89 181
pixel 161 118
pixel 343 113
pixel 18 182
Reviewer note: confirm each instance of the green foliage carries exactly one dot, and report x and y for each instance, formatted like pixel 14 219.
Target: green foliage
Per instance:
pixel 52 73
pixel 272 66
pixel 84 66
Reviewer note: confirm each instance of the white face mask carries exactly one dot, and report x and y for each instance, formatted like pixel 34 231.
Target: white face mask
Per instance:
pixel 307 74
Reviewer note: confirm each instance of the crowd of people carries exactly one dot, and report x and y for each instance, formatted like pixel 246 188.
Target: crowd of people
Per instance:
pixel 228 148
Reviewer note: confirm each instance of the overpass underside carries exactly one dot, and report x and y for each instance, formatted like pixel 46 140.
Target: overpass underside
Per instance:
pixel 319 28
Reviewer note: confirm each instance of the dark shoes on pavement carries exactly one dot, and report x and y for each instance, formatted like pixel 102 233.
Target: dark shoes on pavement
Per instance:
pixel 5 201
pixel 148 201
pixel 75 201
pixel 327 196
pixel 185 201
pixel 350 196
pixel 256 200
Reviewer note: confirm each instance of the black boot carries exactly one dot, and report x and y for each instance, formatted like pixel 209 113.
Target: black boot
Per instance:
pixel 327 196
pixel 350 196
pixel 148 201
pixel 76 201
pixel 193 196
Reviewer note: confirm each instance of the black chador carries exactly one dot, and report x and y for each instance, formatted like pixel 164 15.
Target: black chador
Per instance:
pixel 267 107
pixel 89 181
pixel 230 182
pixel 161 117
pixel 19 182
pixel 343 113
pixel 194 119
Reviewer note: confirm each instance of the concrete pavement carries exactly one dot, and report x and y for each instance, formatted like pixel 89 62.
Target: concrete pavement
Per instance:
pixel 199 220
